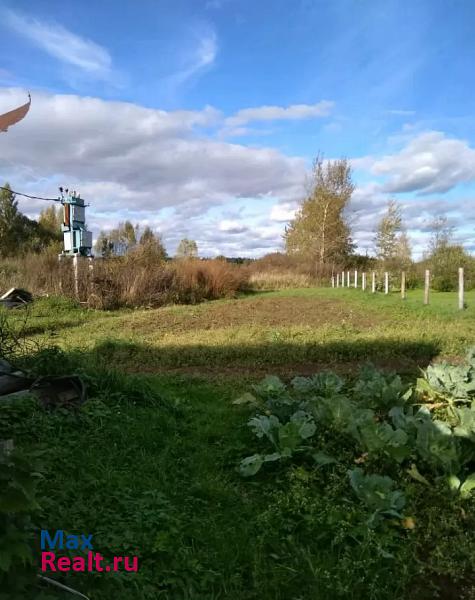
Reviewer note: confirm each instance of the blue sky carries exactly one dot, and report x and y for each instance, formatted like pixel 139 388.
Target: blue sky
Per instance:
pixel 201 118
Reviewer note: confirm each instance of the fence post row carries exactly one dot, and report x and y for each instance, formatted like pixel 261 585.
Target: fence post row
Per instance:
pixel 336 283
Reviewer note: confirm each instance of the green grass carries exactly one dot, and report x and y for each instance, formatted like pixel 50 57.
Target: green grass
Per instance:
pixel 288 330
pixel 149 467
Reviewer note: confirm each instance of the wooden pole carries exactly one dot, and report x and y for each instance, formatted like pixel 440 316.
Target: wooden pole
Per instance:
pixel 373 283
pixel 363 281
pixel 461 289
pixel 426 286
pixel 356 278
pixel 403 285
pixel 76 275
pixel 60 262
pixel 386 282
pixel 90 286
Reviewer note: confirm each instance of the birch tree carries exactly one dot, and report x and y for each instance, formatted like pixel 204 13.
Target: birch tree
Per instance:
pixel 320 229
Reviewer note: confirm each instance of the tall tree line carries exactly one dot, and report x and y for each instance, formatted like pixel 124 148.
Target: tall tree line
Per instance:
pixel 20 235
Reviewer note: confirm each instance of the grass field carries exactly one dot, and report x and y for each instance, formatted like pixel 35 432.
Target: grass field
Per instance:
pixel 291 331
pixel 149 466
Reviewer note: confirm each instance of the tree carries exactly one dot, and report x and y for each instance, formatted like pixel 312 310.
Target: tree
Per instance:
pixel 11 226
pixel 386 239
pixel 147 236
pixel 403 251
pixel 51 219
pixel 320 229
pixel 187 249
pixel 18 233
pixel 128 234
pixel 444 258
pixel 151 245
pixel 104 245
pixel 441 237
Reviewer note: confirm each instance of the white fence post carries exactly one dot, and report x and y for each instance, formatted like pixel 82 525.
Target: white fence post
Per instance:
pixel 461 289
pixel 356 278
pixel 386 282
pixel 403 285
pixel 347 279
pixel 373 283
pixel 426 286
pixel 338 280
pixel 343 279
pixel 363 281
pixel 333 281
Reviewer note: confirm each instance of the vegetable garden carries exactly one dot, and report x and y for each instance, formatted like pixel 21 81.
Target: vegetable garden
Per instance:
pixel 349 482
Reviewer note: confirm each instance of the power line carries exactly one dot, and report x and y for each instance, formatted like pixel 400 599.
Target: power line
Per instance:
pixel 28 196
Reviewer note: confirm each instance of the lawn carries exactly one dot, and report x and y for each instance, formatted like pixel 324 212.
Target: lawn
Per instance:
pixel 149 466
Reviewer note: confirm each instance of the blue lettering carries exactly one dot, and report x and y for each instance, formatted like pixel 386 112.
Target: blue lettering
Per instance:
pixel 52 543
pixel 86 541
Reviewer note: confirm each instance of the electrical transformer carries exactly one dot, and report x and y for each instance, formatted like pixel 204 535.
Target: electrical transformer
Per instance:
pixel 77 239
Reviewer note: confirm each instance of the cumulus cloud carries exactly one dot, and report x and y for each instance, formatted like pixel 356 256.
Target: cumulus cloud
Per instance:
pixel 155 167
pixel 280 113
pixel 124 157
pixel 62 44
pixel 429 163
pixel 283 212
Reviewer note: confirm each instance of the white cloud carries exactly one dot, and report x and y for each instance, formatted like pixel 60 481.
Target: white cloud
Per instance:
pixel 429 163
pixel 153 166
pixel 283 212
pixel 62 44
pixel 127 159
pixel 398 112
pixel 232 226
pixel 200 58
pixel 279 113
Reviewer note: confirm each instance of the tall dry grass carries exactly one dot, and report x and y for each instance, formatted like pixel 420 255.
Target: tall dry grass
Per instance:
pixel 139 279
pixel 275 280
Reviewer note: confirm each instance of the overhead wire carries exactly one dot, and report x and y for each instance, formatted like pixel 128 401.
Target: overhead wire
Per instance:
pixel 31 197
pixel 28 195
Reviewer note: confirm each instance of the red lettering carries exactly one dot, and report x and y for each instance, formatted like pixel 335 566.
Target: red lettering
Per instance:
pixel 98 559
pixel 135 563
pixel 64 563
pixel 47 560
pixel 117 560
pixel 79 564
